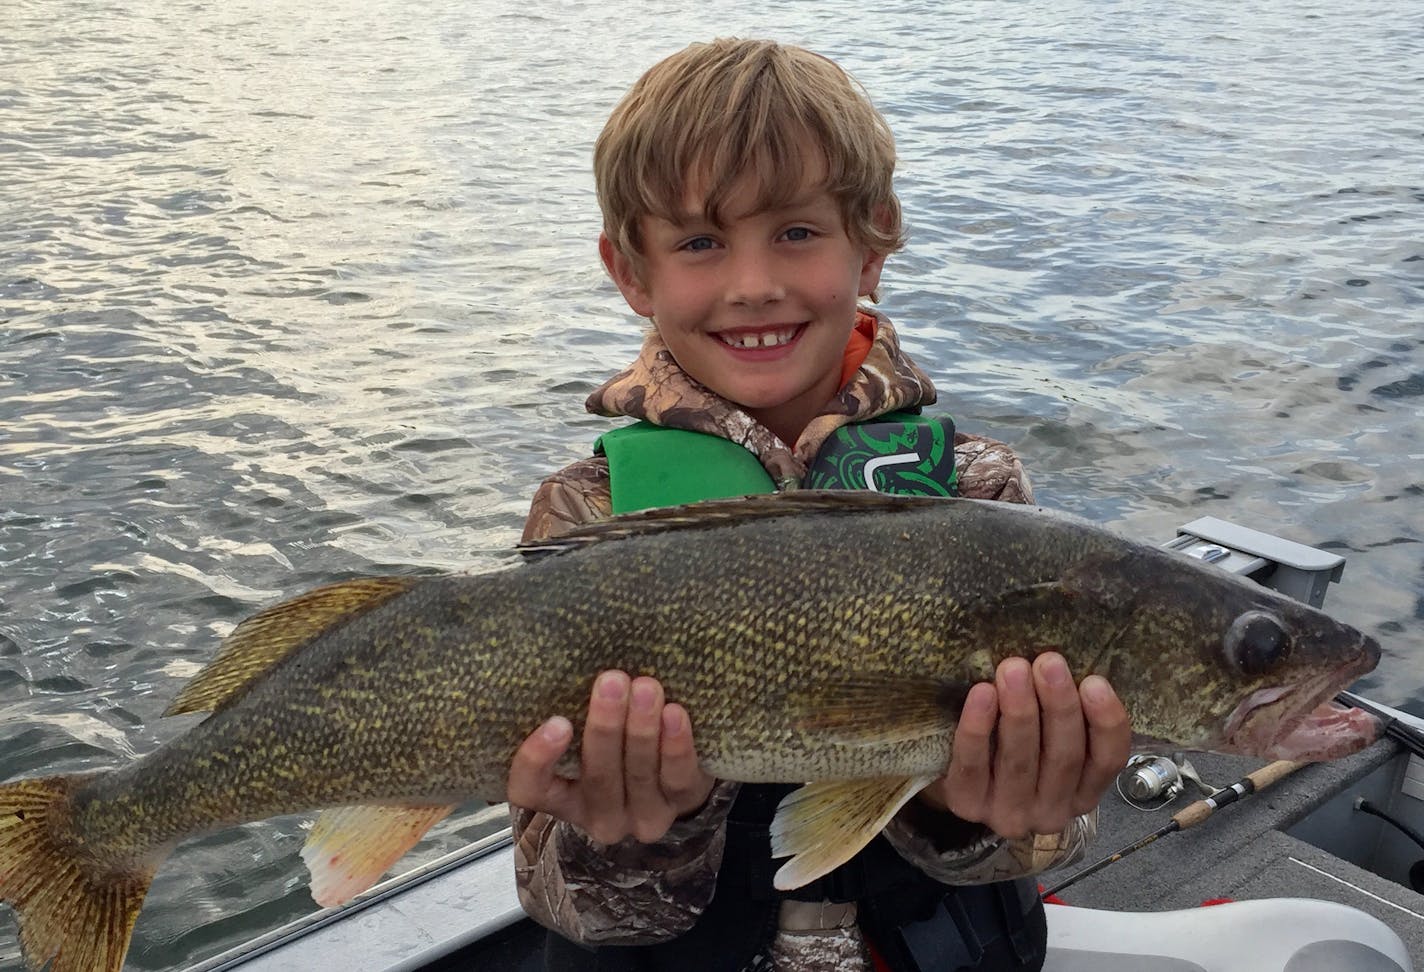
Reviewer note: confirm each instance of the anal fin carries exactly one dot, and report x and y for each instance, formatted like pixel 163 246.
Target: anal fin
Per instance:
pixel 822 825
pixel 349 848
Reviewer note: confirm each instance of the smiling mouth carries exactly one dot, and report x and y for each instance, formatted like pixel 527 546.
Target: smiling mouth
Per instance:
pixel 747 340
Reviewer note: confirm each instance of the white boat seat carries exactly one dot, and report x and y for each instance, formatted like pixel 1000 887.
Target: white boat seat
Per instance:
pixel 1269 935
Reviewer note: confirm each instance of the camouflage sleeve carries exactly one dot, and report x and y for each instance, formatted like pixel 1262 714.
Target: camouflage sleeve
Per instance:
pixel 579 493
pixel 626 893
pixel 990 858
pixel 990 470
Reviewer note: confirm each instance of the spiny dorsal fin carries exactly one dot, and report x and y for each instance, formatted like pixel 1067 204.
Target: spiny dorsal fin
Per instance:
pixel 258 644
pixel 725 512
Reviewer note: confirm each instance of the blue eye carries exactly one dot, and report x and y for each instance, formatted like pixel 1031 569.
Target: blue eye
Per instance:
pixel 698 244
pixel 798 234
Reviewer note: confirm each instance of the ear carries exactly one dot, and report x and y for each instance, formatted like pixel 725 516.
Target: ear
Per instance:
pixel 620 267
pixel 884 220
pixel 870 272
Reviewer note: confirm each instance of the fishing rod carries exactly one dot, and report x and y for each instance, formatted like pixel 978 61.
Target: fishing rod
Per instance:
pixel 1402 727
pixel 1192 815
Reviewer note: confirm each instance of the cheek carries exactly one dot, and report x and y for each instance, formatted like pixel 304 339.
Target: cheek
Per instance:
pixel 675 305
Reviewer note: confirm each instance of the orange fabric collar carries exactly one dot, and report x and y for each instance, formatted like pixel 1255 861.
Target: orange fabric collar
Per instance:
pixel 861 339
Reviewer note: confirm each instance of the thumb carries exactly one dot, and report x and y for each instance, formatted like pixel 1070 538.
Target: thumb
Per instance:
pixel 531 773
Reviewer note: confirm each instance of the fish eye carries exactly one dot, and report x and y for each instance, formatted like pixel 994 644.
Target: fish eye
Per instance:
pixel 1256 642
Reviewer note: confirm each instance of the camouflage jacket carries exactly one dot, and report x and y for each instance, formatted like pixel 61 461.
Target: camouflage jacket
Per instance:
pixel 632 893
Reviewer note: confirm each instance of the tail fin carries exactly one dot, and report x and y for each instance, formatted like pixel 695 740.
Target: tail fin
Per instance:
pixel 74 917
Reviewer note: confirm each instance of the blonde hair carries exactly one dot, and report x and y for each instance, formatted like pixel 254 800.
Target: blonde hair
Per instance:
pixel 713 113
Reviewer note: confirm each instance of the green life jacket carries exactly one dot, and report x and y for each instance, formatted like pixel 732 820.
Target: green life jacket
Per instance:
pixel 900 452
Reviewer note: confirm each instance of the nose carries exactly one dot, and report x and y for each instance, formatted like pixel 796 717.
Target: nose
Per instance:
pixel 752 279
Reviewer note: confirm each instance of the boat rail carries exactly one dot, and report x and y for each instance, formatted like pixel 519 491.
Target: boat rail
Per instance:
pixel 404 923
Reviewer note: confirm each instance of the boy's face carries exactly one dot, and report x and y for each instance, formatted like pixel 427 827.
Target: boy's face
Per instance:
pixel 758 310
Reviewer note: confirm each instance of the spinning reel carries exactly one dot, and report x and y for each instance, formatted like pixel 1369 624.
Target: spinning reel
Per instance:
pixel 1149 777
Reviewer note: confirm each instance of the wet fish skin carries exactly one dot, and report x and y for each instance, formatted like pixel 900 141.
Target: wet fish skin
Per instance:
pixel 810 637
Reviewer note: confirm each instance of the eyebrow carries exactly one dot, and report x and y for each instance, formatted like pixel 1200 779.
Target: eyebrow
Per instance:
pixel 691 217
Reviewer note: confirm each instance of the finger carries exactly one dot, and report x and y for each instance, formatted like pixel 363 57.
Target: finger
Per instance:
pixel 1016 757
pixel 1063 744
pixel 532 782
pixel 1109 740
pixel 601 778
pixel 686 785
pixel 967 782
pixel 648 812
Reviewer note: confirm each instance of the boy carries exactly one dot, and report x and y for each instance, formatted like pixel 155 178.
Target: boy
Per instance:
pixel 745 189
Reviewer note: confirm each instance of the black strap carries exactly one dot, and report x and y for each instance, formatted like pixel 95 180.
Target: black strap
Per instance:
pixel 948 939
pixel 1018 900
pixel 984 928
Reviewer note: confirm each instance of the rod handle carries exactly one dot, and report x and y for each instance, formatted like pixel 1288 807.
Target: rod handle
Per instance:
pixel 1266 776
pixel 1273 773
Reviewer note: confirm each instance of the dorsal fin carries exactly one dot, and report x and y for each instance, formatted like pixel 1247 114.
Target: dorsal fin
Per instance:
pixel 262 641
pixel 722 512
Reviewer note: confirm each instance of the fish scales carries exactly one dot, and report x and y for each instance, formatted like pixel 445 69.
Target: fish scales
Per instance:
pixel 429 697
pixel 811 638
pixel 449 677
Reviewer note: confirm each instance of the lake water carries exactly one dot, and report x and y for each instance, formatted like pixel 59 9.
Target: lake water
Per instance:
pixel 296 293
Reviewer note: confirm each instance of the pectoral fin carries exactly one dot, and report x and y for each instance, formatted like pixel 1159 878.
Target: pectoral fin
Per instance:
pixel 874 710
pixel 349 848
pixel 822 825
pixel 1078 615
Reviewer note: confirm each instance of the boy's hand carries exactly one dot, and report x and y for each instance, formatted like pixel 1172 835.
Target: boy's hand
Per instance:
pixel 1058 748
pixel 639 768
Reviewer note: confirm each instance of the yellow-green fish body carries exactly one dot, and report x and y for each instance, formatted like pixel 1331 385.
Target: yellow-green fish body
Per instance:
pixel 812 637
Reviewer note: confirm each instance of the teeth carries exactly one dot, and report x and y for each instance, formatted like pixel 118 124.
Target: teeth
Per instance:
pixel 765 339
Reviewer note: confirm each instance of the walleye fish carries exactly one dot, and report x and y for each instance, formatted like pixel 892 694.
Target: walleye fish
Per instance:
pixel 828 638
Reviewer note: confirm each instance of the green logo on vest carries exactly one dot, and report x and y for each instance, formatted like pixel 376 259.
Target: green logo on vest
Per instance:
pixel 908 455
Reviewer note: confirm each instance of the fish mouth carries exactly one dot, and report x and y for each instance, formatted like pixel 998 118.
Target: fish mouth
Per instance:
pixel 1303 721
